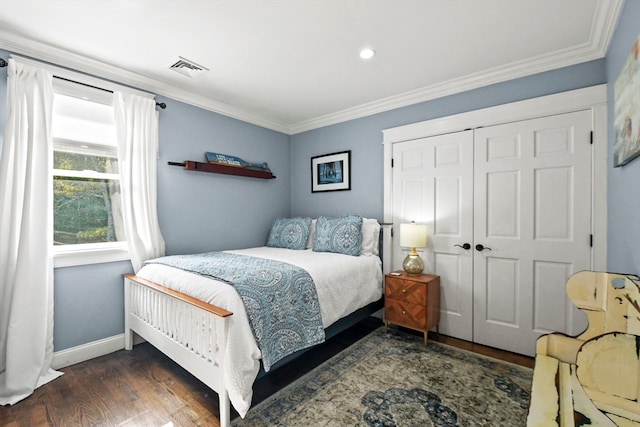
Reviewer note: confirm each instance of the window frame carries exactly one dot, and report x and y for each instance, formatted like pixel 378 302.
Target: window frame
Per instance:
pixel 89 253
pixel 85 253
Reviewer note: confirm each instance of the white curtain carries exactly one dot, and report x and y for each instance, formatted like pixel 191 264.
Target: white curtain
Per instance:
pixel 26 235
pixel 136 121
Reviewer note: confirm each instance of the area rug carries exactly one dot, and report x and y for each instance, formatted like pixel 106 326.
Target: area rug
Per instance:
pixel 390 378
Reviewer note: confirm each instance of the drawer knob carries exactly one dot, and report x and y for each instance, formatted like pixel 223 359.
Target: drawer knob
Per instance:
pixel 404 291
pixel 404 312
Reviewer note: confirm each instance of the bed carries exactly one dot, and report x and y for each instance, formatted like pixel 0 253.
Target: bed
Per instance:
pixel 216 331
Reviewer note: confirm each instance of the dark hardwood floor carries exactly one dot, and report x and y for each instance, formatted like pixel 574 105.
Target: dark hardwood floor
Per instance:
pixel 143 387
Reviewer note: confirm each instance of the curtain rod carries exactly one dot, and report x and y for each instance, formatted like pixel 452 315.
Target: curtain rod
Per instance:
pixel 4 63
pixel 158 104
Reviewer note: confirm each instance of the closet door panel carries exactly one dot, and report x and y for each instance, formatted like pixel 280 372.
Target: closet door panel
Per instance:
pixel 551 308
pixel 443 200
pixel 455 295
pixel 501 208
pixel 552 204
pixel 531 205
pixel 502 298
pixel 447 220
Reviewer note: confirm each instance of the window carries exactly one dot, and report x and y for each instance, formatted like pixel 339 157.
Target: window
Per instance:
pixel 86 183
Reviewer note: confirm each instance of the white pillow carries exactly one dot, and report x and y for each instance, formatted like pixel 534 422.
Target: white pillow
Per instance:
pixel 370 236
pixel 311 233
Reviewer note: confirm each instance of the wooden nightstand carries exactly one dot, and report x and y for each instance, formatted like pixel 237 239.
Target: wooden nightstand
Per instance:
pixel 412 301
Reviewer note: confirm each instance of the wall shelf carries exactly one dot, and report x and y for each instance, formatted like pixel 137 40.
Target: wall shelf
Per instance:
pixel 227 170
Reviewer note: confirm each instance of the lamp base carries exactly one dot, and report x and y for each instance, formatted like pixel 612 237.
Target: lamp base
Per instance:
pixel 413 264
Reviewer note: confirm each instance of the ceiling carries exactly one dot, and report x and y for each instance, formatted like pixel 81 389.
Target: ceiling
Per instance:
pixel 294 65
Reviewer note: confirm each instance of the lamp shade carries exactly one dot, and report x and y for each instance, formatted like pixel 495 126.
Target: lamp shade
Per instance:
pixel 413 235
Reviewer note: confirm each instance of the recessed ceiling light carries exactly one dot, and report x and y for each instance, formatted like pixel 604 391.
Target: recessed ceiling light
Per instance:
pixel 367 53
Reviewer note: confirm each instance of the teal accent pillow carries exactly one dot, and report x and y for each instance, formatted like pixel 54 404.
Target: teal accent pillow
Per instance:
pixel 342 235
pixel 289 233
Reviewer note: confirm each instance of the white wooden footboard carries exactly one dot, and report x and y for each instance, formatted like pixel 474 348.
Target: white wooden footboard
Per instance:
pixel 190 332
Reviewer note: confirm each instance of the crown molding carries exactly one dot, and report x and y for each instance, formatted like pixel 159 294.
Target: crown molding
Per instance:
pixel 603 26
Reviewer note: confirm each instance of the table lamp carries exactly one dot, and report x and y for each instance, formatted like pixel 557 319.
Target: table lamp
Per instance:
pixel 413 236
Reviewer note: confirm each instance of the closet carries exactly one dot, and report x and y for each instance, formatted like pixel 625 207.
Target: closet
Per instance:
pixel 508 195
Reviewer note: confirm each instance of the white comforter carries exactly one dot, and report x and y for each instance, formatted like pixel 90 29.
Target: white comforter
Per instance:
pixel 344 284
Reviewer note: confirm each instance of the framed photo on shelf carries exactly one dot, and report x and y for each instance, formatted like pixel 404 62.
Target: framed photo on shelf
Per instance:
pixel 331 172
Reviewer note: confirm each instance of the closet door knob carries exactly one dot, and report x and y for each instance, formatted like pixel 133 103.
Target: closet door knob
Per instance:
pixel 464 246
pixel 480 248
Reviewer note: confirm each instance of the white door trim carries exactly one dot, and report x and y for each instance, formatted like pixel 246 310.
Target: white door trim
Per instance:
pixel 593 98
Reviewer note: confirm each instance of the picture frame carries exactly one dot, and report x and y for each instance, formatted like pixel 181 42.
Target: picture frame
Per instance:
pixel 626 125
pixel 331 172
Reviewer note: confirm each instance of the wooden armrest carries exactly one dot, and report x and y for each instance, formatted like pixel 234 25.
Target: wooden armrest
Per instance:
pixel 543 409
pixel 561 347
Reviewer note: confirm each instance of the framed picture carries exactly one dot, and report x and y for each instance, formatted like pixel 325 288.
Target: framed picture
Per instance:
pixel 331 172
pixel 626 125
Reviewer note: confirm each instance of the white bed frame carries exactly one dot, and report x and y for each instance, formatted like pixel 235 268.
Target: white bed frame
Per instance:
pixel 189 331
pixel 193 333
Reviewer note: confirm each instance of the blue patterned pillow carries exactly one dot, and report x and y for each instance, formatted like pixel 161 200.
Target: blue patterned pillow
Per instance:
pixel 289 233
pixel 341 235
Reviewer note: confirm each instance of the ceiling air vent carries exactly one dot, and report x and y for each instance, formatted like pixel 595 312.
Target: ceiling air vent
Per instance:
pixel 188 68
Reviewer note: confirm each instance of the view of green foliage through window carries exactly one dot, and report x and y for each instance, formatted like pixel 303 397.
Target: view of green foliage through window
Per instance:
pixel 86 180
pixel 83 210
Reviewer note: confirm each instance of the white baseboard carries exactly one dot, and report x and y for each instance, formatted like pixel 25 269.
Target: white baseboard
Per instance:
pixel 81 353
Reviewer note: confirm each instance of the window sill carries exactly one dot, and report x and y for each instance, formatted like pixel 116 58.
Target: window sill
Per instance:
pixel 74 255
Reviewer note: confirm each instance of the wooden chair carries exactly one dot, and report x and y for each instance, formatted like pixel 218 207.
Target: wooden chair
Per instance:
pixel 594 378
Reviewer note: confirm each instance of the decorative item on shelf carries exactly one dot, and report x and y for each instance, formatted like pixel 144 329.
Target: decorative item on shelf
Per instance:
pixel 413 236
pixel 227 160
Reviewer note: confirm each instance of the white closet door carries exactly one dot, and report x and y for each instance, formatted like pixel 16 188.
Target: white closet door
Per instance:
pixel 433 185
pixel 532 203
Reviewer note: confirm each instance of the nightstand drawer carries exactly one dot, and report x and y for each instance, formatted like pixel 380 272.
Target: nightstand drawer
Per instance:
pixel 406 314
pixel 406 290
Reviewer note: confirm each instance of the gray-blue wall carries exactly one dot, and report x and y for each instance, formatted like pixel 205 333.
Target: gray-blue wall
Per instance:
pixel 88 303
pixel 623 197
pixel 200 211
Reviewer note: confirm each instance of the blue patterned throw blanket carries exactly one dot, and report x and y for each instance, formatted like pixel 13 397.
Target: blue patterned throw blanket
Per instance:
pixel 280 298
